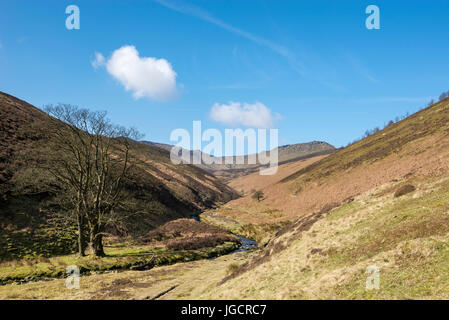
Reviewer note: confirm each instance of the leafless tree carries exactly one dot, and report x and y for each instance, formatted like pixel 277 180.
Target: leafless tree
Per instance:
pixel 91 158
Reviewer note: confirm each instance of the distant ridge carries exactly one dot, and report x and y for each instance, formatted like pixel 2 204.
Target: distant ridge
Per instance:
pixel 286 153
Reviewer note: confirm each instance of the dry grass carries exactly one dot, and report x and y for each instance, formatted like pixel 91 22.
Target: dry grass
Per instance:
pixel 254 181
pixel 321 256
pixel 406 238
pixel 191 279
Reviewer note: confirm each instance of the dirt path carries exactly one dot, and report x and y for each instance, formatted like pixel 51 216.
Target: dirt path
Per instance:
pixel 188 280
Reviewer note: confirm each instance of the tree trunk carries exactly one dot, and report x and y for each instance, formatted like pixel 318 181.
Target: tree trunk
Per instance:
pixel 100 250
pixel 81 236
pixel 96 242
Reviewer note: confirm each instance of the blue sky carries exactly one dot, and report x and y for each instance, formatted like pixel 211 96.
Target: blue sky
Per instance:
pixel 314 65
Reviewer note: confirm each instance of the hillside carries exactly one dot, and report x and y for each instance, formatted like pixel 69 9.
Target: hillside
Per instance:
pixel 382 205
pixel 159 190
pixel 249 183
pixel 414 147
pixel 380 202
pixel 286 154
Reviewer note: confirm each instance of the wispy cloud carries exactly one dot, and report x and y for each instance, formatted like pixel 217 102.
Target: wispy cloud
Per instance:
pixel 202 14
pixel 389 99
pixel 237 86
pixel 99 60
pixel 363 100
pixel 360 68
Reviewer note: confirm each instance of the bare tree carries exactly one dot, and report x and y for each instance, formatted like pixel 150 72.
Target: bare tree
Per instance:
pixel 91 158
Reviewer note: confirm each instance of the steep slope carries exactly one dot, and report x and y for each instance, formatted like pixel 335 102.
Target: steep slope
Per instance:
pixel 416 146
pixel 159 190
pixel 255 181
pixel 15 117
pixel 286 154
pixel 352 214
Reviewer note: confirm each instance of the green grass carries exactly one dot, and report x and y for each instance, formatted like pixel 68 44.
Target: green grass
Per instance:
pixel 344 210
pixel 403 219
pixel 412 277
pixel 408 236
pixel 44 241
pixel 117 258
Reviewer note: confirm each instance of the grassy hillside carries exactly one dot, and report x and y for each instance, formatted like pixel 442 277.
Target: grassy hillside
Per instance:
pixel 351 210
pixel 326 255
pixel 415 147
pixel 246 185
pixel 323 255
pixel 158 190
pixel 380 203
pixel 259 220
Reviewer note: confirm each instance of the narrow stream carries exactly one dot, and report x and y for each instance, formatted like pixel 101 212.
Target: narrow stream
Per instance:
pixel 247 244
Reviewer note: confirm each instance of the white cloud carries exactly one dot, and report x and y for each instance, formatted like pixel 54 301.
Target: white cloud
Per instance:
pixel 143 76
pixel 255 115
pixel 99 60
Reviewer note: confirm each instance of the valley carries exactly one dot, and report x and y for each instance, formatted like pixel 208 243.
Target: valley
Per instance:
pixel 320 223
pixel 223 159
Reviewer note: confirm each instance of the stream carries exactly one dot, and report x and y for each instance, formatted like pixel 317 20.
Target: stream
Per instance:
pixel 247 244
